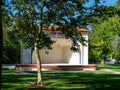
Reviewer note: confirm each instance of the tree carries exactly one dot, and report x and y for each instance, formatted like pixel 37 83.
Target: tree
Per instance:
pixel 11 41
pixel 1 37
pixel 117 4
pixel 102 37
pixel 116 47
pixel 100 20
pixel 32 16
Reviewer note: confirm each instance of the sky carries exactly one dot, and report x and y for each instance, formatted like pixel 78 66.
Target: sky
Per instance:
pixel 110 1
pixel 107 2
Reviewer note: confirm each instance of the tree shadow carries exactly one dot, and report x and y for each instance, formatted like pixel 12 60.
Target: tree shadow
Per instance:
pixel 90 80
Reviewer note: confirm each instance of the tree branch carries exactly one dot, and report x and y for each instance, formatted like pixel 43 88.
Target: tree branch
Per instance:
pixel 41 15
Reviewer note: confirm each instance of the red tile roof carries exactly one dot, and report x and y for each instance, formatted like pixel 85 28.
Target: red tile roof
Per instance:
pixel 55 28
pixel 82 30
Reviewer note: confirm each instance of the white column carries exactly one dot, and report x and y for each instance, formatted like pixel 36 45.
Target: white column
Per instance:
pixel 80 54
pixel 85 52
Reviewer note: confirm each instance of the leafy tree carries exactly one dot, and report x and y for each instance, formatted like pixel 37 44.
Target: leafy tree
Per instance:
pixel 100 19
pixel 10 44
pixel 117 4
pixel 102 12
pixel 102 37
pixel 11 41
pixel 31 16
pixel 116 47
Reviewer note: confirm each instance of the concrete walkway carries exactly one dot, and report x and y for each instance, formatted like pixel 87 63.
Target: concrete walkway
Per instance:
pixel 12 67
pixel 9 66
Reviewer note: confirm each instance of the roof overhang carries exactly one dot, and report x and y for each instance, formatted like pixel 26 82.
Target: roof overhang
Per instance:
pixel 57 28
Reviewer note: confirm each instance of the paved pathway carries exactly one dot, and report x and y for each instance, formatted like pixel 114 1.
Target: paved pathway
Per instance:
pixel 9 66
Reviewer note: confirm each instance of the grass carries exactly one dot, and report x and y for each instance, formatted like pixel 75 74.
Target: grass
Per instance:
pixel 117 70
pixel 109 66
pixel 63 80
pixel 112 67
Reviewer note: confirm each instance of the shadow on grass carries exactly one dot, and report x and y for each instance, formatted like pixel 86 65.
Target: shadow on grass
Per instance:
pixel 86 80
pixel 63 80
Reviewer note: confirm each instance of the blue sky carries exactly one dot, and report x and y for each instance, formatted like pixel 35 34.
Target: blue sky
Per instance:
pixel 107 2
pixel 111 2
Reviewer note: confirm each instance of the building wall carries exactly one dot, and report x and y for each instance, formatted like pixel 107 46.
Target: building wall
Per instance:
pixel 25 56
pixel 61 53
pixel 74 58
pixel 54 56
pixel 67 53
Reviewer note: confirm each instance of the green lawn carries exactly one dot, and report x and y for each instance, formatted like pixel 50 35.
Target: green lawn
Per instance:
pixel 108 66
pixel 112 67
pixel 63 80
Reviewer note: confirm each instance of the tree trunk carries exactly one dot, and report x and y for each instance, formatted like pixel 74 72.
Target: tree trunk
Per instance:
pixel 38 59
pixel 39 71
pixel 1 44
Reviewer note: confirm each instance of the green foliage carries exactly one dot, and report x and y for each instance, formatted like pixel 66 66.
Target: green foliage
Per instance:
pixel 11 40
pixel 69 14
pixel 66 13
pixel 102 38
pixel 101 13
pixel 11 46
pixel 44 41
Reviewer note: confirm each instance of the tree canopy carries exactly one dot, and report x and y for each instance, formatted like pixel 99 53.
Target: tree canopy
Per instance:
pixel 66 13
pixel 103 38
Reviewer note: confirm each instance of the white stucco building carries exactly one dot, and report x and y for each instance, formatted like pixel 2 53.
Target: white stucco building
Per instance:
pixel 60 53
